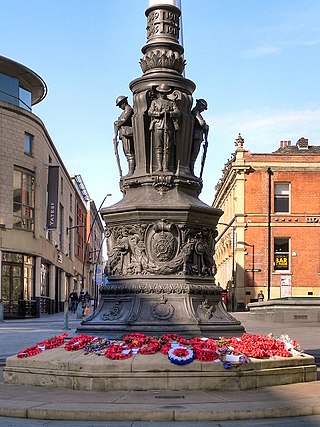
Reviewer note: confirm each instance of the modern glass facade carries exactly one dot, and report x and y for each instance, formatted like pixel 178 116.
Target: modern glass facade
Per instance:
pixel 12 92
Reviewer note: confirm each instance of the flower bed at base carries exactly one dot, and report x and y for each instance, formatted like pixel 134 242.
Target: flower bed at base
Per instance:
pixel 231 352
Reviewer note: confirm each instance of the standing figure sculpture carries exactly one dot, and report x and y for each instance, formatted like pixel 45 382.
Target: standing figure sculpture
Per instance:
pixel 123 129
pixel 164 115
pixel 200 133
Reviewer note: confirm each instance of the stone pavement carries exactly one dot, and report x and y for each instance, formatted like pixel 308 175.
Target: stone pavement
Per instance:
pixel 64 404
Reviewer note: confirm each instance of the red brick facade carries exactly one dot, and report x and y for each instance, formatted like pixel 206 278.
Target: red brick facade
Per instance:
pixel 277 251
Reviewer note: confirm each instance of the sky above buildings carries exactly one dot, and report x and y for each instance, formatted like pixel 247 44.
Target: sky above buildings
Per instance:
pixel 256 62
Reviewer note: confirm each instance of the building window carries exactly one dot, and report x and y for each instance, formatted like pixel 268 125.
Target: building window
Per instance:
pixel 44 280
pixel 25 98
pixel 9 89
pixel 28 280
pixel 23 200
pixel 17 279
pixel 49 235
pixel 61 186
pixel 281 197
pixel 28 144
pixel 281 254
pixel 80 233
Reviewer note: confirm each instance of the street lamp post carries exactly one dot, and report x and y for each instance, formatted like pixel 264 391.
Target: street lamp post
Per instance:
pixel 66 302
pixel 88 239
pixel 252 269
pixel 66 306
pixel 234 267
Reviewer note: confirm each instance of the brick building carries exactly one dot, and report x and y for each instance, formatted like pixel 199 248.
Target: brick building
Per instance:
pixel 269 235
pixel 38 264
pixel 88 237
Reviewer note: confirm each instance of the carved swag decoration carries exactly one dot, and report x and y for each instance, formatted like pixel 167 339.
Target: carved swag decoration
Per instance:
pixel 160 248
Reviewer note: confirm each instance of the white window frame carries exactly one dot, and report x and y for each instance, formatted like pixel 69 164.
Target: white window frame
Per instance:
pixel 283 194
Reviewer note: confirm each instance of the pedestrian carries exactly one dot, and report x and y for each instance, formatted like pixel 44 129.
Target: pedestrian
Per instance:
pixel 260 296
pixel 74 299
pixel 81 297
pixel 87 299
pixel 86 304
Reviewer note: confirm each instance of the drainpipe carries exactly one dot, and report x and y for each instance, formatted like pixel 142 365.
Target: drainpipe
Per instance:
pixel 270 173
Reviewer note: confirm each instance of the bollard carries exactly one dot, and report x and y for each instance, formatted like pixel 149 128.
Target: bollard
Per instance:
pixel 66 316
pixel 1 311
pixel 79 311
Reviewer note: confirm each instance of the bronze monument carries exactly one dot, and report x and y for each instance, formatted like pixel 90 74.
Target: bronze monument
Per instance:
pixel 161 236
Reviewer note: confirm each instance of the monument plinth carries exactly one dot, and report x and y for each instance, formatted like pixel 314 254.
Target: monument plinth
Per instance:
pixel 161 236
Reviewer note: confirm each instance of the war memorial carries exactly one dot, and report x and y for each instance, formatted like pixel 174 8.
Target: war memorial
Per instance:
pixel 161 236
pixel 161 244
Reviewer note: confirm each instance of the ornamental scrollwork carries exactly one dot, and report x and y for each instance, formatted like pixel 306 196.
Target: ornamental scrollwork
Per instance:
pixel 161 248
pixel 206 309
pixel 160 288
pixel 126 250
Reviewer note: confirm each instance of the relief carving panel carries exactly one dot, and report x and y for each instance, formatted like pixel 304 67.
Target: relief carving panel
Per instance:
pixel 160 248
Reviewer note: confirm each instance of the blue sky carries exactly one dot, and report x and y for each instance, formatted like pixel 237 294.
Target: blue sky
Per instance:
pixel 256 62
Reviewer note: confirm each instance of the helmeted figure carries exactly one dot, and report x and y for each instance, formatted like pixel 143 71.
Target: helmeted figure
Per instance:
pixel 164 115
pixel 123 128
pixel 200 130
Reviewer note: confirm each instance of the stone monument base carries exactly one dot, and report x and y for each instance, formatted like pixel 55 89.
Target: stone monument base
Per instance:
pixel 179 306
pixel 77 371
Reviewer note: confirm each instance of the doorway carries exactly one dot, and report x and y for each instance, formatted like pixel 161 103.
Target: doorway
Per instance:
pixel 17 285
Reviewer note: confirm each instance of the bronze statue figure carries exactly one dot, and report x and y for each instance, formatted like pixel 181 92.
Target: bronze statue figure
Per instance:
pixel 164 115
pixel 123 129
pixel 200 133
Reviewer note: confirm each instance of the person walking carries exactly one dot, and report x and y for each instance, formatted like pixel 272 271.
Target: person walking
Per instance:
pixel 260 296
pixel 74 299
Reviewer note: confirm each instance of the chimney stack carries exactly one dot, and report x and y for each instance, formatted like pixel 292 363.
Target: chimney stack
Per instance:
pixel 284 144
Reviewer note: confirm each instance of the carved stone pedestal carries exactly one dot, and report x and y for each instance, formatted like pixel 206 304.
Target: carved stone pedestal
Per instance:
pixel 161 270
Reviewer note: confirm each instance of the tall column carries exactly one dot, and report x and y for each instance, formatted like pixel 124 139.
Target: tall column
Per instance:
pixel 161 236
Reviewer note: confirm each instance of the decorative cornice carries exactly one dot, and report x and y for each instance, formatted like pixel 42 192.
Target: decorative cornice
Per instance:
pixel 159 288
